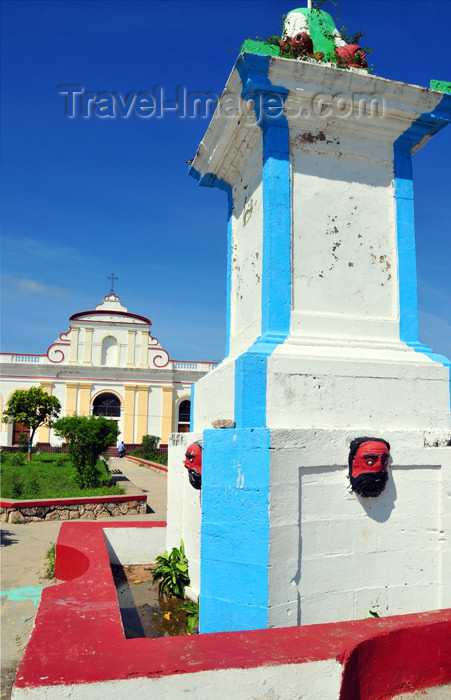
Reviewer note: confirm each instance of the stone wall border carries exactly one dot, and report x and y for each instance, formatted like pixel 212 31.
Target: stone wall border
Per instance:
pixel 88 508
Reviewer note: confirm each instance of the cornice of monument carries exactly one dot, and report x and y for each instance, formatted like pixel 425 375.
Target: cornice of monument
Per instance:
pixel 233 128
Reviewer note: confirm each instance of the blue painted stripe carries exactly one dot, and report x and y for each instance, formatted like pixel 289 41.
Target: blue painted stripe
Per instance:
pixel 426 125
pixel 276 257
pixel 251 368
pixel 407 272
pixel 235 530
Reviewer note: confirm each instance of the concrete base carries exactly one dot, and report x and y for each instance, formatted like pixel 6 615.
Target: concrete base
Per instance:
pixel 286 542
pixel 93 658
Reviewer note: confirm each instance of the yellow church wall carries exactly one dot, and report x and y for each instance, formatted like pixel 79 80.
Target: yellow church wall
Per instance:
pixel 142 411
pixel 71 398
pixel 129 414
pixel 85 399
pixel 44 430
pixel 166 413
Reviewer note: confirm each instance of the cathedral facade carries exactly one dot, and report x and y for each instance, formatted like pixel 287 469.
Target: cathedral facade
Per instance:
pixel 107 363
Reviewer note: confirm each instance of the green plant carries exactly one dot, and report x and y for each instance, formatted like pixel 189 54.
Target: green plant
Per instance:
pixel 149 450
pixel 50 562
pixel 55 475
pixel 87 438
pixel 301 46
pixel 192 614
pixel 33 407
pixel 16 485
pixel 33 484
pixel 19 645
pixel 172 572
pixel 16 459
pixel 373 614
pixel 22 440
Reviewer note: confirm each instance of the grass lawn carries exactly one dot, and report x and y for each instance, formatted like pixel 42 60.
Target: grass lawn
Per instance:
pixel 48 475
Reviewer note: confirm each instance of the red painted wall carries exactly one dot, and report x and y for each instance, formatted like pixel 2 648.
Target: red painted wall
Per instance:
pixel 381 657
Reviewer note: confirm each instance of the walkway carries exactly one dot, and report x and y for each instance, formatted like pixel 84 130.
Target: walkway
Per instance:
pixel 23 550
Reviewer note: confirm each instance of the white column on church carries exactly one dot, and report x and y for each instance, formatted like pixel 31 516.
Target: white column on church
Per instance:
pixel 144 349
pixel 87 360
pixel 131 339
pixel 73 357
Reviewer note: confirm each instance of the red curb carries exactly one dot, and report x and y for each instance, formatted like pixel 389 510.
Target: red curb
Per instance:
pixel 150 464
pixel 380 657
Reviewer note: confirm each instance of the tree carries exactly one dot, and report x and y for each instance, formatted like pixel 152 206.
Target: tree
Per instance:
pixel 148 448
pixel 86 438
pixel 32 407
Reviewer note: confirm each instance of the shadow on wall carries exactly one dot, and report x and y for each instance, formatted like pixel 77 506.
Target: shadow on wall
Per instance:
pixel 331 530
pixel 380 507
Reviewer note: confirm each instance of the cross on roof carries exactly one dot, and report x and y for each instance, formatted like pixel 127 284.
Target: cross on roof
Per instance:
pixel 112 277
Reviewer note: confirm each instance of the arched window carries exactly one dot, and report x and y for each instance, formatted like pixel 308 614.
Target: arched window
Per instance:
pixel 184 416
pixel 109 352
pixel 107 405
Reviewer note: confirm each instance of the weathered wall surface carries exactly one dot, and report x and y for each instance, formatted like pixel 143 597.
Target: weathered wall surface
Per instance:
pixel 334 555
pixel 184 508
pixel 246 251
pixel 337 357
pixel 134 545
pixel 214 396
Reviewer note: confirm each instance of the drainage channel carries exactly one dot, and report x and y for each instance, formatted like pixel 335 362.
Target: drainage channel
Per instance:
pixel 144 612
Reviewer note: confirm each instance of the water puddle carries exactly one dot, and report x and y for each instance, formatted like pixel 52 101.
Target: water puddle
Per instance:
pixel 144 612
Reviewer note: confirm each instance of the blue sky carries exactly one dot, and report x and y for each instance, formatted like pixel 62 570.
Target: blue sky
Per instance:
pixel 83 197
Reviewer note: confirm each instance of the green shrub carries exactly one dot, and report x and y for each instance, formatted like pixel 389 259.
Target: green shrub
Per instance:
pixel 33 485
pixel 61 460
pixel 22 440
pixel 16 459
pixel 172 572
pixel 50 558
pixel 16 485
pixel 192 614
pixel 87 438
pixel 149 450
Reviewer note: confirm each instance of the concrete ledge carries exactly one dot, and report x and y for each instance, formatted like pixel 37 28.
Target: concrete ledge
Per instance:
pixel 364 659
